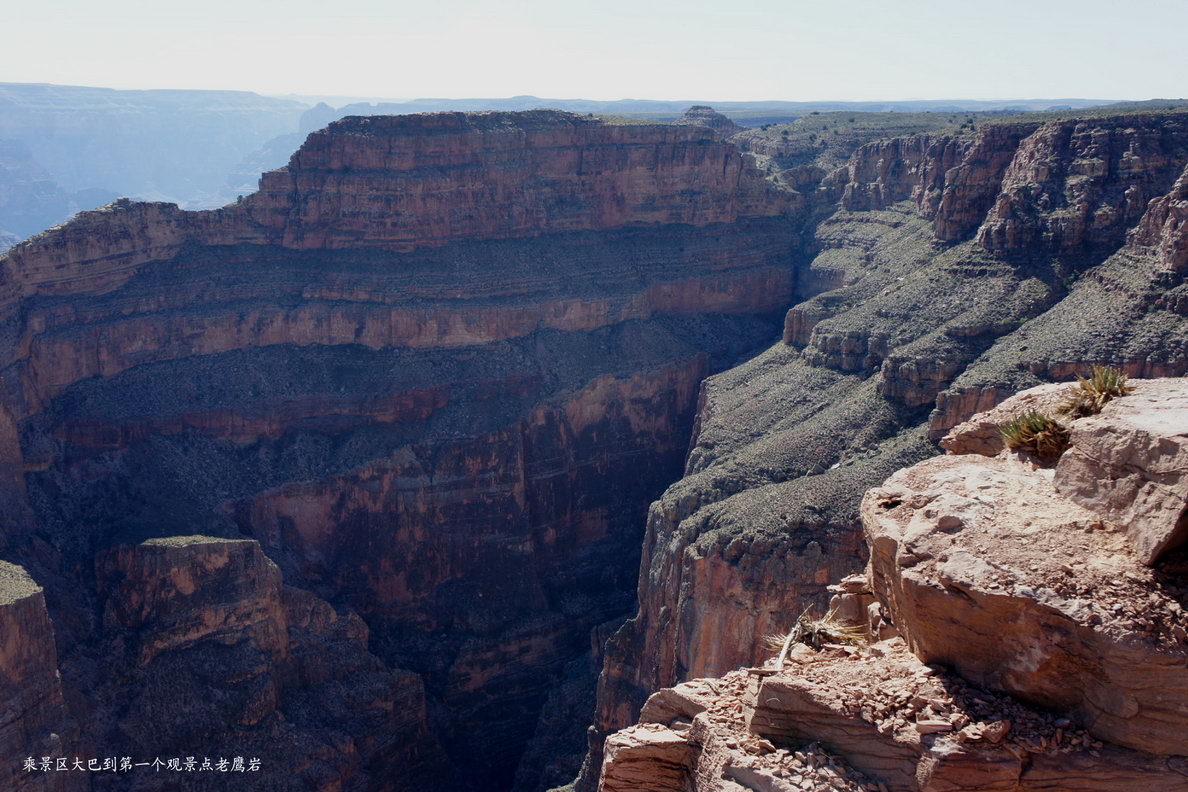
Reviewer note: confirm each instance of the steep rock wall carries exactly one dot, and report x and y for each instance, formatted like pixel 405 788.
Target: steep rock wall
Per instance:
pixel 1082 185
pixel 437 367
pixel 34 722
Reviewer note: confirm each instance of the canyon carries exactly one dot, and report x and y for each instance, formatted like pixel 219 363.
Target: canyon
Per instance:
pixel 68 148
pixel 356 466
pixel 361 474
pixel 65 148
pixel 953 271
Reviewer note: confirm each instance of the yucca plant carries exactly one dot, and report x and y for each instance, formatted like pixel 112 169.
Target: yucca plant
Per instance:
pixel 1037 432
pixel 1092 393
pixel 817 632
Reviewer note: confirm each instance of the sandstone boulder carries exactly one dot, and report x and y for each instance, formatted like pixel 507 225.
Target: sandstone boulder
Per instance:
pixel 1130 465
pixel 645 758
pixel 716 751
pixel 984 567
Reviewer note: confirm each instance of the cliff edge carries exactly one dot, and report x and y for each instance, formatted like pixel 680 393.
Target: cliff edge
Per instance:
pixel 1018 632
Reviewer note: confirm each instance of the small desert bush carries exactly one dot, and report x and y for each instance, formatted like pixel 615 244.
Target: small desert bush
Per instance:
pixel 1037 432
pixel 817 632
pixel 1091 393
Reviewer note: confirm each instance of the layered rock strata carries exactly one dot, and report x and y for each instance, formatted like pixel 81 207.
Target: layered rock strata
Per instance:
pixel 439 364
pixel 876 719
pixel 436 368
pixel 706 116
pixel 34 723
pixel 1076 185
pixel 255 668
pixel 1074 582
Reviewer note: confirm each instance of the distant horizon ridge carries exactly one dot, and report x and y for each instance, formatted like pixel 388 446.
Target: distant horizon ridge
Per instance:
pixel 315 98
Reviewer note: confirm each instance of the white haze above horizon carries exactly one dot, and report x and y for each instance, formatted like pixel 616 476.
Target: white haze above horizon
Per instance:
pixel 748 50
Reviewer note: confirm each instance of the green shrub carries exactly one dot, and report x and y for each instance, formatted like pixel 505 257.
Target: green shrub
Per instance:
pixel 1037 432
pixel 1090 394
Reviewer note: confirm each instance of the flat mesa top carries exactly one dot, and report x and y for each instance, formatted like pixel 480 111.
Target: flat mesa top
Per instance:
pixel 15 584
pixel 428 123
pixel 186 541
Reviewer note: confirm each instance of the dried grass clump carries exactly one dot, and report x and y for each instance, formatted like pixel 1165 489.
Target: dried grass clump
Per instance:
pixel 817 632
pixel 1037 432
pixel 1090 394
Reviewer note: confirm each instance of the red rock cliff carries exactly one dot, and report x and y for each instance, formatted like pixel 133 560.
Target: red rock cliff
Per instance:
pixel 437 367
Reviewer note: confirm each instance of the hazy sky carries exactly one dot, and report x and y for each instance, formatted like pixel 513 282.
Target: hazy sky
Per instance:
pixel 609 49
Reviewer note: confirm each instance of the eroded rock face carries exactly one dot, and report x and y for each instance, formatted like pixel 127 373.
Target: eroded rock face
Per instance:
pixel 497 177
pixel 33 717
pixel 970 188
pixel 706 116
pixel 1062 186
pixel 445 177
pixel 437 367
pixel 172 593
pixel 256 669
pixel 950 179
pixel 1128 463
pixel 695 737
pixel 1032 649
pixel 1165 226
pixel 584 175
pixel 1084 184
pixel 886 172
pixel 874 718
pixel 985 566
pixel 890 328
pixel 910 727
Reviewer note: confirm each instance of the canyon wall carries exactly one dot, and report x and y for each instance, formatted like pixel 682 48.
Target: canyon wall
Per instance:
pixel 365 456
